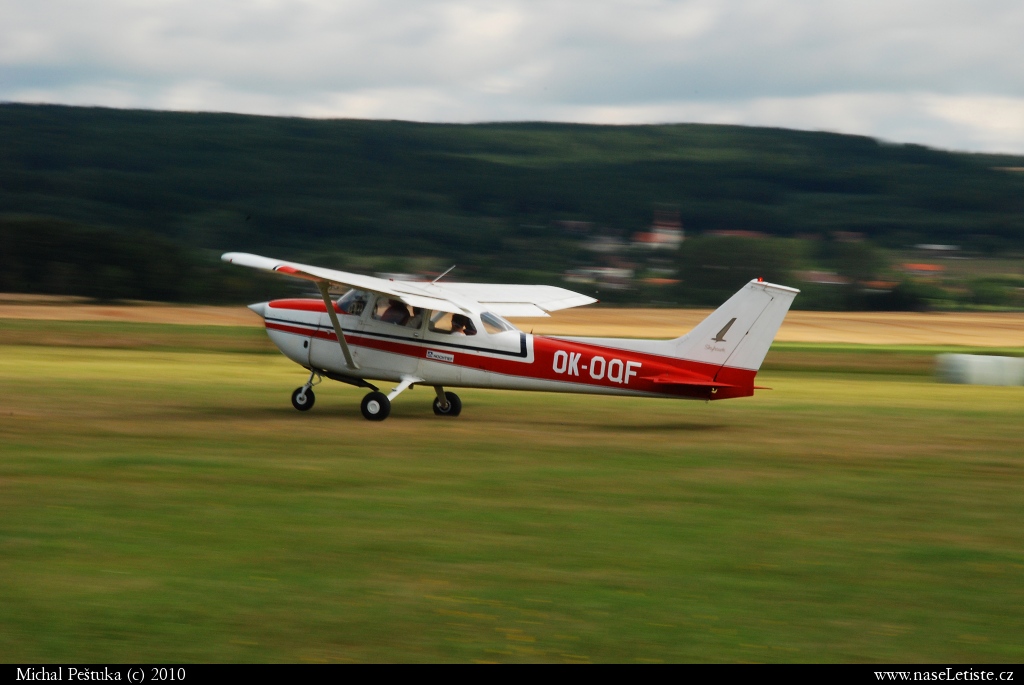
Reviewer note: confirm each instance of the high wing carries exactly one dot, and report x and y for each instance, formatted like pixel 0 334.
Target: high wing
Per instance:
pixel 504 300
pixel 411 294
pixel 516 300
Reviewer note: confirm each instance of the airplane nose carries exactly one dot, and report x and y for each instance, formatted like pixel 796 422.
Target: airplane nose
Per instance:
pixel 260 308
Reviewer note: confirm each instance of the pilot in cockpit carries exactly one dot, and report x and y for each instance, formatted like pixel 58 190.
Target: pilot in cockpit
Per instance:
pixel 462 325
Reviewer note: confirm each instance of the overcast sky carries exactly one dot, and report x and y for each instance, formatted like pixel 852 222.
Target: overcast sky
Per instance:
pixel 940 72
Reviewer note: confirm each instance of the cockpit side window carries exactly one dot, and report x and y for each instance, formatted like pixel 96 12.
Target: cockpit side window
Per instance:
pixel 452 324
pixel 353 302
pixel 398 313
pixel 494 324
pixel 391 311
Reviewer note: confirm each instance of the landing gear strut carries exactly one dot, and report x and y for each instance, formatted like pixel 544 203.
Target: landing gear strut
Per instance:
pixel 303 398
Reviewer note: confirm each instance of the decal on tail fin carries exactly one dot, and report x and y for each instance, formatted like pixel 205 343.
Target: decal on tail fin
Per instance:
pixel 721 334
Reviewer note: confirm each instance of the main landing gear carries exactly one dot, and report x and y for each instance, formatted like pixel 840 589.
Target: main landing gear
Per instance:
pixel 376 406
pixel 446 403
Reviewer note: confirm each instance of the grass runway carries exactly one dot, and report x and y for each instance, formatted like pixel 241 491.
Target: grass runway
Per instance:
pixel 166 505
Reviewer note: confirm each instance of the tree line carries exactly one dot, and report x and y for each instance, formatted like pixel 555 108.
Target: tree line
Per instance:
pixel 138 204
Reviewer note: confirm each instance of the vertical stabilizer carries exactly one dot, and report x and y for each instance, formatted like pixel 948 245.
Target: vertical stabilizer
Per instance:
pixel 739 333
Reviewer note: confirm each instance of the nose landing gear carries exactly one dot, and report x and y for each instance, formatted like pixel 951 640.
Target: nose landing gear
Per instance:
pixel 303 398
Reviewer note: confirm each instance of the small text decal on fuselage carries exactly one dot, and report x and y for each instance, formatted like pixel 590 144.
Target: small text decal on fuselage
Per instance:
pixel 441 356
pixel 615 370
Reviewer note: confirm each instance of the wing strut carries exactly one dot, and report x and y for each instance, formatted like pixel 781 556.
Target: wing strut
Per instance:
pixel 323 287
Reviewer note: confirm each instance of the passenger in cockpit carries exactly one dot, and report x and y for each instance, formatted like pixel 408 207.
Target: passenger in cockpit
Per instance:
pixel 396 313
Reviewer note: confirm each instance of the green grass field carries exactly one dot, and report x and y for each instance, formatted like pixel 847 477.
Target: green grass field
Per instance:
pixel 170 505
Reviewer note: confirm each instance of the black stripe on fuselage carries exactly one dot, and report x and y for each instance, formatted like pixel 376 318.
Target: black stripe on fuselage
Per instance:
pixel 522 354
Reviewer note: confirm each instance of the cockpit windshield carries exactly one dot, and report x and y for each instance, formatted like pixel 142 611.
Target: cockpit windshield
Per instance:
pixel 353 302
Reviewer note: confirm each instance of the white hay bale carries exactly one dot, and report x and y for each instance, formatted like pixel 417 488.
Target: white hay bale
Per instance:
pixel 980 369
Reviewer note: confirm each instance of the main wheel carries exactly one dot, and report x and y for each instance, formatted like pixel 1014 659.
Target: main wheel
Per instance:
pixel 375 406
pixel 303 399
pixel 454 405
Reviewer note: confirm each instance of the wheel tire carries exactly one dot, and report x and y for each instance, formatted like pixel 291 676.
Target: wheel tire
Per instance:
pixel 454 405
pixel 303 402
pixel 375 406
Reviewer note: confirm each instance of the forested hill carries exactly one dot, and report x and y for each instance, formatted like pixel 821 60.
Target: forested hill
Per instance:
pixel 493 197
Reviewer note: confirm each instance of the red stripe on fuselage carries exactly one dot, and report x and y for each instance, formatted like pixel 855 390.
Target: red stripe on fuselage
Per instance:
pixel 560 360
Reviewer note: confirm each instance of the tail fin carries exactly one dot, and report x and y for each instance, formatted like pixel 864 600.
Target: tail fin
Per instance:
pixel 739 333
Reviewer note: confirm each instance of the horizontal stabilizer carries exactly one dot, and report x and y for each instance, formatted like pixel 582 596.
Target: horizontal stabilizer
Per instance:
pixel 668 379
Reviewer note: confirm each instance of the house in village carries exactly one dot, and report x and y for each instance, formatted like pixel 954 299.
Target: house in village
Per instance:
pixel 666 233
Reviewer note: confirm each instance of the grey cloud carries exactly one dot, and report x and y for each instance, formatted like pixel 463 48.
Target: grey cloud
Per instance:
pixel 470 60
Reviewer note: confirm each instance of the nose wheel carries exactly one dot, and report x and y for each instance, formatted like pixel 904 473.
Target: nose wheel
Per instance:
pixel 303 398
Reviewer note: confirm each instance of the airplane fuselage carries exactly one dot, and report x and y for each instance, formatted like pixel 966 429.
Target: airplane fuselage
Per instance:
pixel 505 359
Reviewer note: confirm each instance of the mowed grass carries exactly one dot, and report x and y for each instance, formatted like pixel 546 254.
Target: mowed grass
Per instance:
pixel 134 335
pixel 172 506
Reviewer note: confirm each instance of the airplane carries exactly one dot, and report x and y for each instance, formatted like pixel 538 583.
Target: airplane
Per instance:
pixel 455 335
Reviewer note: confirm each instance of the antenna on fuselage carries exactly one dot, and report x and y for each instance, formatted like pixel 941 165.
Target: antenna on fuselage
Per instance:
pixel 443 275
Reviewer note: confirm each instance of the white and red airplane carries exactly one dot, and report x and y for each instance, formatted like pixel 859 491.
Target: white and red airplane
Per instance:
pixel 445 334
